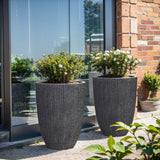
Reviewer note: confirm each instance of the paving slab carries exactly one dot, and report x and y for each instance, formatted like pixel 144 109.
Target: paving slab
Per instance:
pixel 38 151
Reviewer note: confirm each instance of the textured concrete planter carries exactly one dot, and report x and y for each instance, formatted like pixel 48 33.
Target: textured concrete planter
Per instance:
pixel 60 113
pixel 150 105
pixel 114 101
pixel 19 93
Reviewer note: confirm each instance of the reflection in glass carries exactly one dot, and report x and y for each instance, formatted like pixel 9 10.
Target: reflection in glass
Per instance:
pixel 86 26
pixel 44 27
pixel 37 27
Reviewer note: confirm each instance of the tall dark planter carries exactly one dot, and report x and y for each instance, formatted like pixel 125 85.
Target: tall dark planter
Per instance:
pixel 115 100
pixel 60 113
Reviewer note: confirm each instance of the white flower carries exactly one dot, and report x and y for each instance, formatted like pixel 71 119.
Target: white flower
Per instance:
pixel 104 58
pixel 91 55
pixel 122 51
pixel 60 66
pixel 136 61
pixel 65 73
pixel 128 52
pixel 97 58
pixel 106 54
pixel 106 51
pixel 140 60
pixel 117 52
pixel 129 56
pixel 114 59
pixel 98 54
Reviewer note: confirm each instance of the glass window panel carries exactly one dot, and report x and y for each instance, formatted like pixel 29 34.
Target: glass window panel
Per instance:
pixel 86 26
pixel 37 27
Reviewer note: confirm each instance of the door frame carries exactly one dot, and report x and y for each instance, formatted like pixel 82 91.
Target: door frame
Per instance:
pixel 6 76
pixel 1 75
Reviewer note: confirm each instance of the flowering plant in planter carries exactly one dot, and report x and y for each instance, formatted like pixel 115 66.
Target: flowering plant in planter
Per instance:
pixel 60 67
pixel 113 91
pixel 58 101
pixel 118 62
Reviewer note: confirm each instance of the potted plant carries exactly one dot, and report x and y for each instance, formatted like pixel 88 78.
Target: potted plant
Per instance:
pixel 114 91
pixel 20 69
pixel 152 83
pixel 60 99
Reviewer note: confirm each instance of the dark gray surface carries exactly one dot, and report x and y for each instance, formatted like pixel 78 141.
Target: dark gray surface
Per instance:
pixel 114 101
pixel 19 93
pixel 60 112
pixel 6 67
pixel 4 136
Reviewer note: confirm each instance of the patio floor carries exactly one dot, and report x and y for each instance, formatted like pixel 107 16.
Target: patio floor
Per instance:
pixel 38 151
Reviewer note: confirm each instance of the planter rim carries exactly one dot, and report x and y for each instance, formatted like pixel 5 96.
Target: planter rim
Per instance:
pixel 61 84
pixel 147 101
pixel 114 77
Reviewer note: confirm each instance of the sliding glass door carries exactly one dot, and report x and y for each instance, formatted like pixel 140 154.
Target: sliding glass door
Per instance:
pixel 40 27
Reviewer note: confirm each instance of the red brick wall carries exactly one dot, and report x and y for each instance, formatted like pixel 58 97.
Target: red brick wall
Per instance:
pixel 148 44
pixel 138 31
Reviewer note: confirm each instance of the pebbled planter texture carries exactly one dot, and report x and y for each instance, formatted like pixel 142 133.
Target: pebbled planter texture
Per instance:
pixel 60 113
pixel 115 100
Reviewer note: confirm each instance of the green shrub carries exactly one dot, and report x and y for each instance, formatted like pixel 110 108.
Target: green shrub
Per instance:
pixel 21 67
pixel 149 145
pixel 118 63
pixel 151 81
pixel 28 79
pixel 153 99
pixel 88 63
pixel 88 60
pixel 60 67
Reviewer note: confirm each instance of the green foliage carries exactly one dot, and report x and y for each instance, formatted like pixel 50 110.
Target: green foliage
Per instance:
pixel 88 60
pixel 117 62
pixel 28 79
pixel 60 67
pixel 93 17
pixel 152 81
pixel 149 145
pixel 153 99
pixel 117 150
pixel 21 67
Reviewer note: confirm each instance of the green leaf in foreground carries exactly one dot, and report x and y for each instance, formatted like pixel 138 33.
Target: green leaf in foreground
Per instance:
pixel 97 149
pixel 156 151
pixel 111 142
pixel 96 158
pixel 141 140
pixel 122 126
pixel 119 147
pixel 126 138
